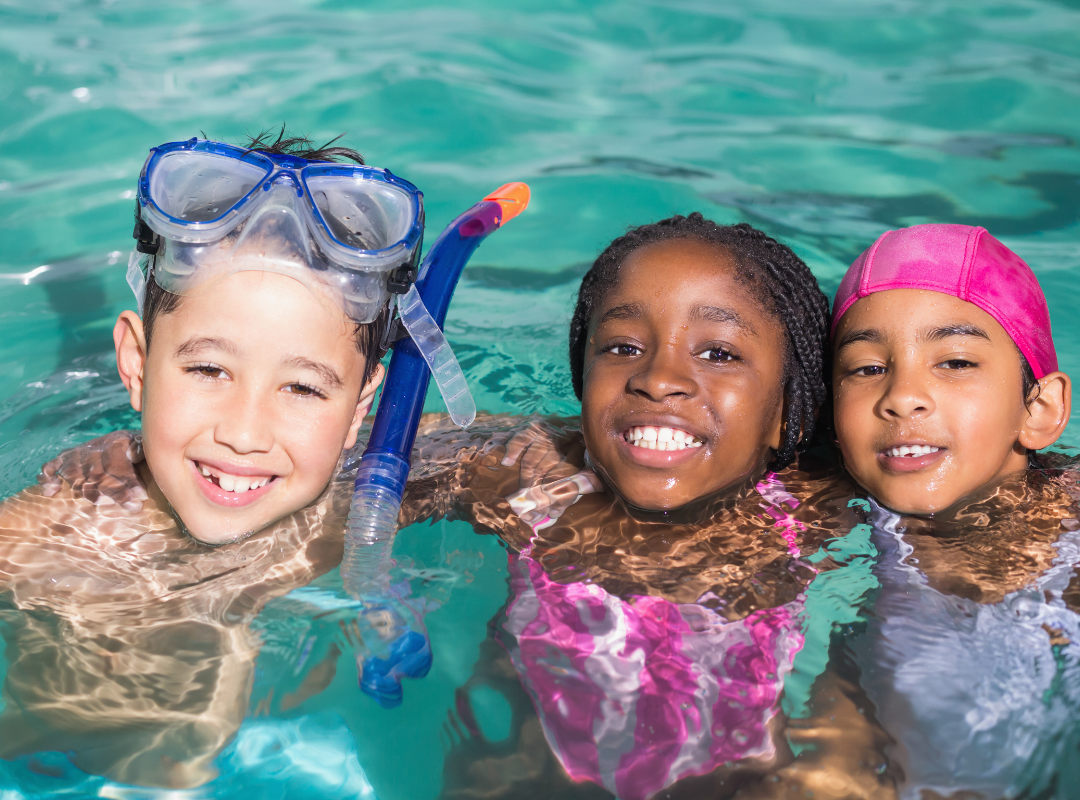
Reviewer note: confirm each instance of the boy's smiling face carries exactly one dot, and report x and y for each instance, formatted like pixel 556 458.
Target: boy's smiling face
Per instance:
pixel 683 377
pixel 929 405
pixel 249 394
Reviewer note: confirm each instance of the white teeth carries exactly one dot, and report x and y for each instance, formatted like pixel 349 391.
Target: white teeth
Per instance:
pixel 653 438
pixel 234 483
pixel 911 450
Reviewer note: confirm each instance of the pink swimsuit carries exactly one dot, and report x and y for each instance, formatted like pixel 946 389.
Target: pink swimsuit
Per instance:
pixel 636 694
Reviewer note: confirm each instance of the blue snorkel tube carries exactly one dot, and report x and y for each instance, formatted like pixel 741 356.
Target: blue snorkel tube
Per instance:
pixel 384 466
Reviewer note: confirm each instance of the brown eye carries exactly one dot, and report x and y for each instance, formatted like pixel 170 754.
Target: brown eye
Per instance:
pixel 304 390
pixel 211 371
pixel 624 350
pixel 958 363
pixel 718 355
pixel 869 372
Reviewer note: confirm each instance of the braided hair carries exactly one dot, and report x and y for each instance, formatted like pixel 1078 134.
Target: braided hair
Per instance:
pixel 787 289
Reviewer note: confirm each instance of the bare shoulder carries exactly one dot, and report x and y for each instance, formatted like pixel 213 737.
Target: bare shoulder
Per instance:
pixel 39 533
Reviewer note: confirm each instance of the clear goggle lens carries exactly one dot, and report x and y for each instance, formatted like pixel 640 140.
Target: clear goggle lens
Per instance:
pixel 200 187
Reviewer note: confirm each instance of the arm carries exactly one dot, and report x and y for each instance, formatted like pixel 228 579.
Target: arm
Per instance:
pixel 101 471
pixel 535 465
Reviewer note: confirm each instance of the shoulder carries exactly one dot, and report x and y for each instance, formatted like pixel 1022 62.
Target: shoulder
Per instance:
pixel 29 518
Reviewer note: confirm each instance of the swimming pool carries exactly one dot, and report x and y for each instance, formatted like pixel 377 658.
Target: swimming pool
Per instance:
pixel 823 123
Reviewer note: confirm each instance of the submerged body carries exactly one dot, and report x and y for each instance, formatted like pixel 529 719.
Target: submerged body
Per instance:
pixel 135 585
pixel 629 618
pixel 971 656
pixel 128 642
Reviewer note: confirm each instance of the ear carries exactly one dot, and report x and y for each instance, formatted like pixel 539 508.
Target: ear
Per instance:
pixel 363 405
pixel 777 433
pixel 1048 413
pixel 130 341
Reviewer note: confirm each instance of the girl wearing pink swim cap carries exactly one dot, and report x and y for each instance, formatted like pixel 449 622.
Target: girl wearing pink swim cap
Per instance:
pixel 945 382
pixel 945 376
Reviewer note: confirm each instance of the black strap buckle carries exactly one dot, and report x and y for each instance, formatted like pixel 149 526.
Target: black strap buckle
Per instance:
pixel 146 241
pixel 401 278
pixel 395 332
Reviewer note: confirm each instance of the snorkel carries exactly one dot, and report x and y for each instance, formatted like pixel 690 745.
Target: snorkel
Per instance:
pixel 420 353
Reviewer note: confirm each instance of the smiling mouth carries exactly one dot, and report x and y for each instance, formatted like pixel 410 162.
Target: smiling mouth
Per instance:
pixel 654 438
pixel 911 450
pixel 238 484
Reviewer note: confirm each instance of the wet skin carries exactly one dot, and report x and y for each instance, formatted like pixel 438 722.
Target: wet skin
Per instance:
pixel 698 354
pixel 925 369
pixel 258 382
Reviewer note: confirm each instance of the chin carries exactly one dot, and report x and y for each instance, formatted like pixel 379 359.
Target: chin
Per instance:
pixel 216 537
pixel 215 530
pixel 922 507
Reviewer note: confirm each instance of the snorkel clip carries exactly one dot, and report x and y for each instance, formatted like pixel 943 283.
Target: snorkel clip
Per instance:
pixel 146 241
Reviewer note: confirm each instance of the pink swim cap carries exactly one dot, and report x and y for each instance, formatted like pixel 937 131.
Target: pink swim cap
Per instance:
pixel 964 262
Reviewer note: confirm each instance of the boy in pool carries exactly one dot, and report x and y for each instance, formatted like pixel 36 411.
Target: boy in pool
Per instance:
pixel 253 364
pixel 945 384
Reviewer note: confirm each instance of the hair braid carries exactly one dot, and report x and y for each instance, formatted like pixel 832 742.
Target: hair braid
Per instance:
pixel 789 292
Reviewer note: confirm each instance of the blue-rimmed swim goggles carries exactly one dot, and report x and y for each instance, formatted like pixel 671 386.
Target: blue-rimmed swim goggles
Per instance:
pixel 207 210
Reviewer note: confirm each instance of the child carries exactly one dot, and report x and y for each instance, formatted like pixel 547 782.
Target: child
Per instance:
pixel 945 376
pixel 656 615
pixel 945 383
pixel 253 364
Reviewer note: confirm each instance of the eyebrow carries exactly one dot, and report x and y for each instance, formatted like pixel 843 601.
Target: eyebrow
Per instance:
pixel 328 374
pixel 625 311
pixel 874 336
pixel 946 331
pixel 200 344
pixel 871 335
pixel 719 314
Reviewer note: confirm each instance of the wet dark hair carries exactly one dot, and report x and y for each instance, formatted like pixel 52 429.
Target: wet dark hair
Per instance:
pixel 300 147
pixel 369 335
pixel 786 288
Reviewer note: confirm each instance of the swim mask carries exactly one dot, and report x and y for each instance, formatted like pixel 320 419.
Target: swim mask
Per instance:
pixel 206 210
pixel 964 262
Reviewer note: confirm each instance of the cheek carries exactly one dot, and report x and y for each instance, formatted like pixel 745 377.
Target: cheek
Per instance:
pixel 983 420
pixel 171 416
pixel 595 402
pixel 315 442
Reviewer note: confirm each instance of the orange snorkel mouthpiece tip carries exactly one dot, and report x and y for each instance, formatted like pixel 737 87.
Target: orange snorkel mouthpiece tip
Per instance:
pixel 513 198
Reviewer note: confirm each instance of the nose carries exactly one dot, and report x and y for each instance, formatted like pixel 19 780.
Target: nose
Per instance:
pixel 663 375
pixel 907 394
pixel 245 425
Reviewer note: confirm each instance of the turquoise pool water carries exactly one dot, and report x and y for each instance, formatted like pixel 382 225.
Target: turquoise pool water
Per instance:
pixel 824 123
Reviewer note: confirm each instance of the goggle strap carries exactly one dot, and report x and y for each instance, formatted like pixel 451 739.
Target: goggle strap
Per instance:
pixel 445 369
pixel 137 277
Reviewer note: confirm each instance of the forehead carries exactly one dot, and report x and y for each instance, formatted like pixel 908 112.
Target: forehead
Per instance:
pixel 910 315
pixel 266 310
pixel 675 275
